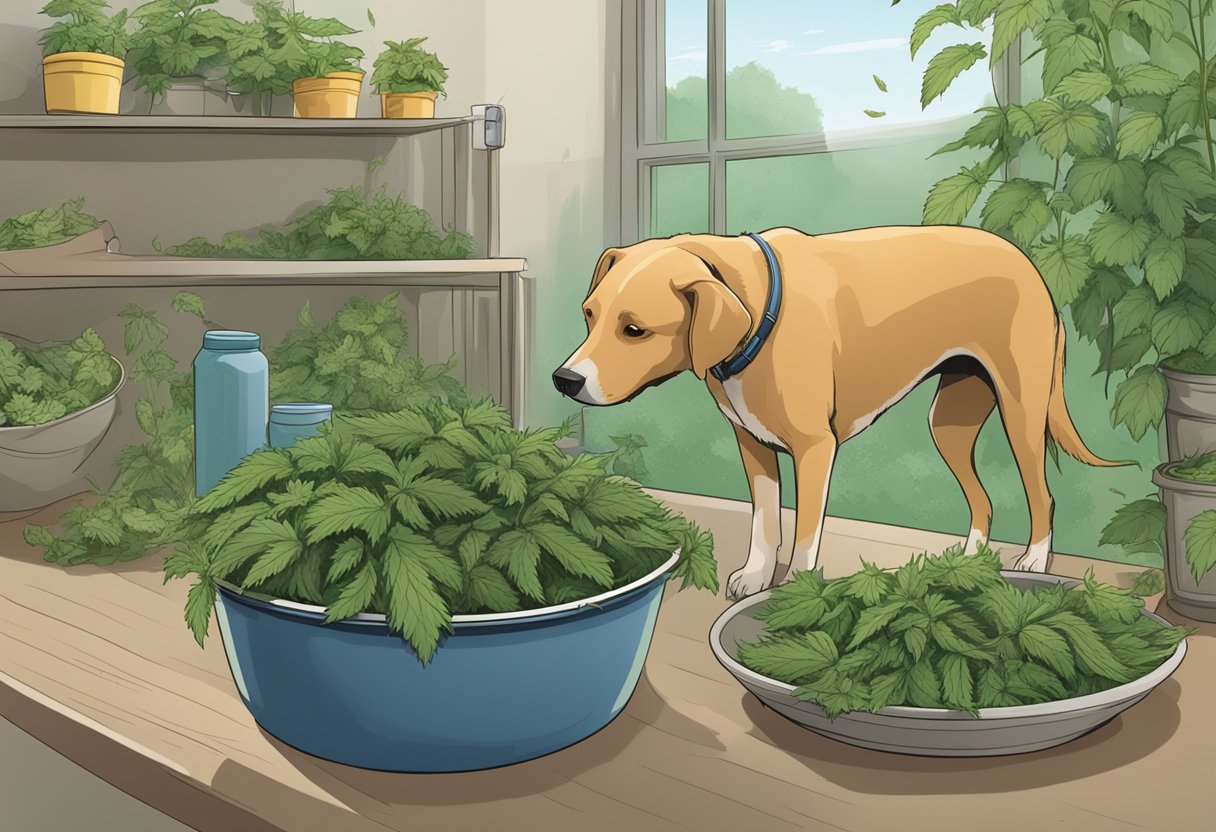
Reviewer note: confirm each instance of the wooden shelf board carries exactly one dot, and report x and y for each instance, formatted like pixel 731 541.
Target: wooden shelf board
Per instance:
pixel 251 125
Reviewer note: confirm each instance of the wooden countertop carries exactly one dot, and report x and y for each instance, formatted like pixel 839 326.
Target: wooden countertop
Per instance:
pixel 98 664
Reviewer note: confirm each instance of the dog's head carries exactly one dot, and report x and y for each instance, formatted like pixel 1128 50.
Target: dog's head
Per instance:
pixel 653 310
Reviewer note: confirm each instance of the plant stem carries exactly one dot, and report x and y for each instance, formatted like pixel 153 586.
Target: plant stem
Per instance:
pixel 1200 38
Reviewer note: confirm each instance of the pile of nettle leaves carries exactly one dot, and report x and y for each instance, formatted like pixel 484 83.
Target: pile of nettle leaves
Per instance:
pixel 46 226
pixel 143 508
pixel 40 385
pixel 353 225
pixel 949 632
pixel 425 513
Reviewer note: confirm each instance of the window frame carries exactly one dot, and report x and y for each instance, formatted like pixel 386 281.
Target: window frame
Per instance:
pixel 643 54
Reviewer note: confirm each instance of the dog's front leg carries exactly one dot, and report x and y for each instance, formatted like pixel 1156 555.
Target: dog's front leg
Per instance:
pixel 813 458
pixel 764 480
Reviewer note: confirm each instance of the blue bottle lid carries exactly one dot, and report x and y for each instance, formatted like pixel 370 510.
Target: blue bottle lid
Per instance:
pixel 301 413
pixel 224 339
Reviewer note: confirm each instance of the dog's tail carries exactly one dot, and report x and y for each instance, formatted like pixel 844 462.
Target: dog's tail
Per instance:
pixel 1059 423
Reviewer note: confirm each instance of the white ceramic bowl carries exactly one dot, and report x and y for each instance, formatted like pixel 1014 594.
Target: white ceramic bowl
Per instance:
pixel 930 731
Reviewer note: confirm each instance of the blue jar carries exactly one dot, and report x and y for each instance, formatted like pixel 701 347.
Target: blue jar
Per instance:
pixel 231 404
pixel 289 422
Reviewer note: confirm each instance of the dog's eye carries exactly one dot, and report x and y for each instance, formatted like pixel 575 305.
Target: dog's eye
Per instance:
pixel 632 331
pixel 587 312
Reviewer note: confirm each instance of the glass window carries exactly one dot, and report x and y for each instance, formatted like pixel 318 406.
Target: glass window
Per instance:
pixel 810 67
pixel 679 107
pixel 679 199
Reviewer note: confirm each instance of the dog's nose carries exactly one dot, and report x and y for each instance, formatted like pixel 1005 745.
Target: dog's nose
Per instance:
pixel 568 382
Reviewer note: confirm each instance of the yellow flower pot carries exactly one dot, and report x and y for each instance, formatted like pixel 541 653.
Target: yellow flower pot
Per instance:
pixel 334 96
pixel 408 104
pixel 82 82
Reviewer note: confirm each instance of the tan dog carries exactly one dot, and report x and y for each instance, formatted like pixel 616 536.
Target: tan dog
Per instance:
pixel 866 315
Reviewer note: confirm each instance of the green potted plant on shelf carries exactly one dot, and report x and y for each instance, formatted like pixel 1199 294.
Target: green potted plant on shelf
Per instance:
pixel 256 73
pixel 84 56
pixel 408 79
pixel 326 78
pixel 499 562
pixel 178 50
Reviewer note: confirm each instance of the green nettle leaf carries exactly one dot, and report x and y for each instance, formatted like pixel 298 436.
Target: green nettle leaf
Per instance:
pixel 1164 263
pixel 797 657
pixel 1116 240
pixel 490 588
pixel 874 113
pixel 1062 57
pixel 1138 133
pixel 345 508
pixel 346 557
pixel 519 553
pixel 1064 264
pixel 1145 79
pixel 199 603
pixel 355 595
pixel 947 65
pixel 189 303
pixel 1069 126
pixel 1012 18
pixel 881 84
pixel 1148 583
pixel 255 472
pixel 1139 401
pixel 1157 14
pixel 1086 86
pixel 575 556
pixel 1181 325
pixel 924 26
pixel 1182 109
pixel 1134 311
pixel 952 199
pixel 957 683
pixel 1200 542
pixel 1128 351
pixel 1168 196
pixel 1049 647
pixel 984 133
pixel 1020 205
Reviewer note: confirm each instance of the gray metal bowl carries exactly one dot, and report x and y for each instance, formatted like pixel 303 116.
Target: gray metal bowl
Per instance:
pixel 931 731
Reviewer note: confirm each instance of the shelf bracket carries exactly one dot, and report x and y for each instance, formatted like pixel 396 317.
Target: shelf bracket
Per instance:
pixel 491 134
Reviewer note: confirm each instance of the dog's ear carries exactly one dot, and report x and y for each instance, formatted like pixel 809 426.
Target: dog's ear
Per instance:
pixel 606 262
pixel 719 323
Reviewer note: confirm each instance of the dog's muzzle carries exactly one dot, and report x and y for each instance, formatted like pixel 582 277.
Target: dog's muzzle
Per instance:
pixel 568 382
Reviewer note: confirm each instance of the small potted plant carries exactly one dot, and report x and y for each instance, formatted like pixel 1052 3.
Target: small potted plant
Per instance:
pixel 408 79
pixel 326 78
pixel 1188 493
pixel 522 585
pixel 178 52
pixel 255 72
pixel 84 56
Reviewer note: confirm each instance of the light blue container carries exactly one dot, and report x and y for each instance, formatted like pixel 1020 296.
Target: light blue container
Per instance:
pixel 289 422
pixel 231 404
pixel 501 688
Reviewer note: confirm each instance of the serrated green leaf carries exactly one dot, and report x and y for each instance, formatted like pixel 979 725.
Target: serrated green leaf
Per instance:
pixel 947 65
pixel 1148 583
pixel 1181 325
pixel 1118 241
pixel 1064 264
pixel 1085 85
pixel 355 596
pixel 1012 18
pixel 1164 263
pixel 255 472
pixel 924 27
pixel 199 602
pixel 1139 401
pixel 1136 522
pixel 1145 79
pixel 189 303
pixel 957 683
pixel 794 657
pixel 345 508
pixel 1138 133
pixel 347 555
pixel 1200 542
pixel 1020 205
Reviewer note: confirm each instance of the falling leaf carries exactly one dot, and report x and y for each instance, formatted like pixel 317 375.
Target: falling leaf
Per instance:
pixel 371 18
pixel 874 113
pixel 881 84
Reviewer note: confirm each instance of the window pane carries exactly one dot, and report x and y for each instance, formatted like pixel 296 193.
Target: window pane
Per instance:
pixel 825 192
pixel 799 67
pixel 679 110
pixel 679 200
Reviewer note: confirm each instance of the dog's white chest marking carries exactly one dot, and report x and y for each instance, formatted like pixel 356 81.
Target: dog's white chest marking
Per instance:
pixel 741 414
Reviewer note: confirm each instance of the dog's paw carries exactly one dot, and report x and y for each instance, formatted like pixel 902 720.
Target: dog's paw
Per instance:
pixel 1036 559
pixel 746 582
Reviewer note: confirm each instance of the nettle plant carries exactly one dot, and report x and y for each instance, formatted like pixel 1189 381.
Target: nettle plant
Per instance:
pixel 949 631
pixel 46 226
pixel 176 39
pixel 85 27
pixel 45 383
pixel 425 513
pixel 404 67
pixel 354 224
pixel 143 508
pixel 1131 152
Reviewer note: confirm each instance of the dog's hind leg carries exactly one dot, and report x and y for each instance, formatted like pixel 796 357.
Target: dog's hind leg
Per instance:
pixel 764 480
pixel 1025 419
pixel 962 405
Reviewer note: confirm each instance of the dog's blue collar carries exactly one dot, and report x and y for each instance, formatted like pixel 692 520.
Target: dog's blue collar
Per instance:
pixel 733 366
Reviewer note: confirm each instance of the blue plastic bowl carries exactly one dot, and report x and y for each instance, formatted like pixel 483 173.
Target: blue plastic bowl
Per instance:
pixel 501 689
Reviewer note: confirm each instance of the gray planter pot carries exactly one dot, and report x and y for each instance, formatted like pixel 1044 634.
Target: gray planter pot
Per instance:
pixel 1183 500
pixel 935 732
pixel 186 97
pixel 1190 414
pixel 40 464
